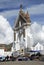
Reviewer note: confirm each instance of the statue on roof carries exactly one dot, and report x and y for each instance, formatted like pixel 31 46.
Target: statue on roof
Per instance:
pixel 21 7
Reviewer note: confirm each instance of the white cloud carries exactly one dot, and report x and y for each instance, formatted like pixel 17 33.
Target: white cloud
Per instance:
pixel 36 9
pixel 43 28
pixel 9 13
pixel 37 31
pixel 6 32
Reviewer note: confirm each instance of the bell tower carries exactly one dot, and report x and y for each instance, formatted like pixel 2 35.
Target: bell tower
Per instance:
pixel 22 24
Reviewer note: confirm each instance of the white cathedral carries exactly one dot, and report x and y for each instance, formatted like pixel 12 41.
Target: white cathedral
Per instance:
pixel 22 36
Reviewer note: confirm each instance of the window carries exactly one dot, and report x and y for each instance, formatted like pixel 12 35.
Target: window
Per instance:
pixel 40 47
pixel 14 36
pixel 19 23
pixel 36 48
pixel 23 32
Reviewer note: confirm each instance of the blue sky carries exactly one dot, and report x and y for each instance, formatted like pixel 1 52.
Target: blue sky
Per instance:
pixel 10 8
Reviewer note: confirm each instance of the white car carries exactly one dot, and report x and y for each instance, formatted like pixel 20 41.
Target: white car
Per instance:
pixel 2 58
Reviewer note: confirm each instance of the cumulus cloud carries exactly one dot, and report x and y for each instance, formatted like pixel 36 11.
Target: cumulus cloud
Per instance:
pixel 37 32
pixel 6 32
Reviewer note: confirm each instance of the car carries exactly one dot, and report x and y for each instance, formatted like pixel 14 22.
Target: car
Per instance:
pixel 32 57
pixel 23 59
pixel 2 58
pixel 19 58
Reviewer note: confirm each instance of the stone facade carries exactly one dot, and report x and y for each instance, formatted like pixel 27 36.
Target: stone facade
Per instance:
pixel 21 27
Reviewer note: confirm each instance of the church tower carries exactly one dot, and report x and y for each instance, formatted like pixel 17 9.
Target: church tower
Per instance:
pixel 21 27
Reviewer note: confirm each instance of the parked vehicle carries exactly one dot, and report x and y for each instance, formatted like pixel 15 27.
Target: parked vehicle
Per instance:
pixel 2 58
pixel 39 54
pixel 26 59
pixel 32 57
pixel 22 58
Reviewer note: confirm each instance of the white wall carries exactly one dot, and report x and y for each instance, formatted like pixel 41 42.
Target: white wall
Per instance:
pixel 38 47
pixel 1 52
pixel 29 38
pixel 7 53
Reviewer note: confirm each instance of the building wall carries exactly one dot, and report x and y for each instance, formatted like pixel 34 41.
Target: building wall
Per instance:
pixel 1 52
pixel 38 47
pixel 8 53
pixel 5 53
pixel 28 37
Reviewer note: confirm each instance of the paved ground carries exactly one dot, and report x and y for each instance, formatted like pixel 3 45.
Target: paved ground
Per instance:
pixel 22 63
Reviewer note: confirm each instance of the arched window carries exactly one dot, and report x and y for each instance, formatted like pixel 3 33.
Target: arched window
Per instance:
pixel 23 32
pixel 14 36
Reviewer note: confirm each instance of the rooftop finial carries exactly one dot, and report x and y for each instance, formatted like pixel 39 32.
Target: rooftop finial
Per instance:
pixel 27 14
pixel 21 6
pixel 27 11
